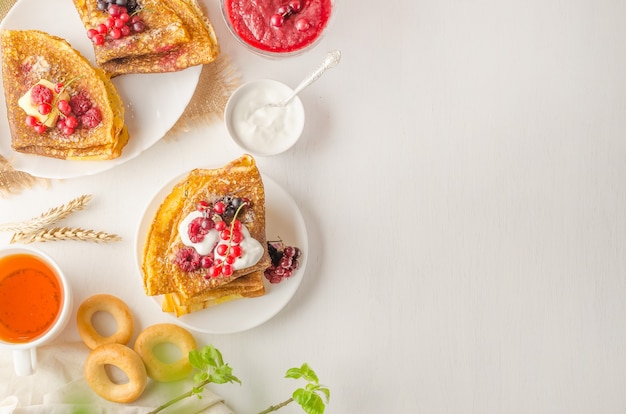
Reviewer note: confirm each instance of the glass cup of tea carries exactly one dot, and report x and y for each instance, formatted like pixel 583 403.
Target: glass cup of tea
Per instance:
pixel 35 304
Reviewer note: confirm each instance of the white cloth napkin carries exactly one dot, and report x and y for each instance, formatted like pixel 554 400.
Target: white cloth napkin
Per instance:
pixel 58 387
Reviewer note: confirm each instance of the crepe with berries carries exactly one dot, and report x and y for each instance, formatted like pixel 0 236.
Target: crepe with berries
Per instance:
pixel 202 48
pixel 171 266
pixel 177 35
pixel 58 104
pixel 162 29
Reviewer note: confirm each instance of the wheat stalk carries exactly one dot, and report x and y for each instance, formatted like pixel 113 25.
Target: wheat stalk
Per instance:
pixel 64 233
pixel 51 216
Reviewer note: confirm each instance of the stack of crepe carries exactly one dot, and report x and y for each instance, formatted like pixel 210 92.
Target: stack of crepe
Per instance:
pixel 185 292
pixel 178 35
pixel 29 56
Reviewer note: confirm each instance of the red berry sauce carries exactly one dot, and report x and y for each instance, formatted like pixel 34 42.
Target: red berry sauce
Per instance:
pixel 278 26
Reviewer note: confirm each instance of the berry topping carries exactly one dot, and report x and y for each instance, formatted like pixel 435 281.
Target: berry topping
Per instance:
pixel 284 12
pixel 121 21
pixel 302 25
pixel 64 107
pixel 198 228
pixel 80 103
pixel 187 259
pixel 40 94
pixel 284 261
pixel 91 118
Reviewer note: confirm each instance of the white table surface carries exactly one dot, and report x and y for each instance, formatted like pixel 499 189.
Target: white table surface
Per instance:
pixel 462 176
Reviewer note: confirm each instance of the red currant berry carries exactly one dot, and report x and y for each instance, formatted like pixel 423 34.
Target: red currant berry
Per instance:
pixel 58 87
pixel 44 108
pixel 125 31
pixel 64 107
pixel 124 16
pixel 98 39
pixel 225 234
pixel 40 128
pixel 102 28
pixel 302 25
pixel 277 20
pixel 110 22
pixel 138 27
pixel 91 33
pixel 219 207
pixel 230 259
pixel 222 249
pixel 67 130
pixel 119 23
pixel 236 251
pixel 31 121
pixel 115 10
pixel 116 33
pixel 237 237
pixel 220 225
pixel 214 271
pixel 71 121
pixel 237 225
pixel 295 5
pixel 227 270
pixel 202 205
pixel 206 262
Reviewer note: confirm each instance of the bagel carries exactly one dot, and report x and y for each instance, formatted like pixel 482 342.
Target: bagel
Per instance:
pixel 111 305
pixel 161 334
pixel 126 360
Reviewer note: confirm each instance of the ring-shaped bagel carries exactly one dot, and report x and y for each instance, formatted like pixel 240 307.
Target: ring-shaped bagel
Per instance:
pixel 126 360
pixel 111 305
pixel 161 334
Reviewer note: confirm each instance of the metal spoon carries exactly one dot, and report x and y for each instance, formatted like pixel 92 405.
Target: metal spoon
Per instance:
pixel 331 60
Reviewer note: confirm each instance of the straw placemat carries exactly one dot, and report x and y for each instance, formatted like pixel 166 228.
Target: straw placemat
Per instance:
pixel 217 81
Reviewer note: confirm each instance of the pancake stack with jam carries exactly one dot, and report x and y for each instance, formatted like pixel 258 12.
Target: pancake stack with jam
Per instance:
pixel 206 244
pixel 148 36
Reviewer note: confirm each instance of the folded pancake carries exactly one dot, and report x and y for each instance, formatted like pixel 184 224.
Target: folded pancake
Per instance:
pixel 178 35
pixel 34 59
pixel 164 30
pixel 172 263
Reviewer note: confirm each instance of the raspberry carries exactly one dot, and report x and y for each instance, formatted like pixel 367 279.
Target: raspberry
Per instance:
pixel 188 259
pixel 41 95
pixel 91 118
pixel 198 228
pixel 80 103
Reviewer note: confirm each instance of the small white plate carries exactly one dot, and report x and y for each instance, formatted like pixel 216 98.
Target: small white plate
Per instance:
pixel 283 219
pixel 260 129
pixel 154 102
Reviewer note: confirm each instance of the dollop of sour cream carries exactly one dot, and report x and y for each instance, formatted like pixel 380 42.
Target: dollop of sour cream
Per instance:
pixel 252 250
pixel 207 244
pixel 261 127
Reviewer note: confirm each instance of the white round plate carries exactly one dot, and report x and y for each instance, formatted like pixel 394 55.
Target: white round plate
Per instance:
pixel 283 219
pixel 154 102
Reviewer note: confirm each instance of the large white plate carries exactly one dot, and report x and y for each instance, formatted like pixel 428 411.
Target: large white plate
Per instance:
pixel 284 220
pixel 154 102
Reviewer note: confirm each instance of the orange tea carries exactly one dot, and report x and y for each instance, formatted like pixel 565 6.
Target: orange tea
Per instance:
pixel 31 298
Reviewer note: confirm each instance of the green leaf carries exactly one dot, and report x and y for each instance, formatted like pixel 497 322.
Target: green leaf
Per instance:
pixel 310 402
pixel 212 356
pixel 195 359
pixel 303 372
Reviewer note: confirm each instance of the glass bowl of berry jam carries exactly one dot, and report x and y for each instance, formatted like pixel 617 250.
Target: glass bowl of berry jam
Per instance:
pixel 277 28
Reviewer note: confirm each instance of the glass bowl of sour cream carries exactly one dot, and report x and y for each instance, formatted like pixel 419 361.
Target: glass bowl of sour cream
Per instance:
pixel 277 28
pixel 259 127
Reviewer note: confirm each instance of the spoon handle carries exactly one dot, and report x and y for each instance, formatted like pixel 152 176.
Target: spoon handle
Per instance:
pixel 331 60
